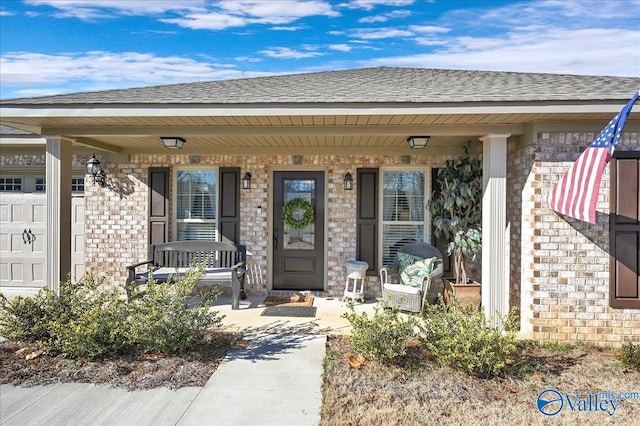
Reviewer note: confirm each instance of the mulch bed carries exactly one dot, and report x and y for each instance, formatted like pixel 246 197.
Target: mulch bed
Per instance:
pixel 193 367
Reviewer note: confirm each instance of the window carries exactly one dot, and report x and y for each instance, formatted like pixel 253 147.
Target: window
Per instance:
pixel 41 185
pixel 403 210
pixel 195 201
pixel 10 184
pixel 77 184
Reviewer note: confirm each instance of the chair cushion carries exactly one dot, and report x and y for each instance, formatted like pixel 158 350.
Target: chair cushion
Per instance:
pixel 406 259
pixel 414 274
pixel 400 288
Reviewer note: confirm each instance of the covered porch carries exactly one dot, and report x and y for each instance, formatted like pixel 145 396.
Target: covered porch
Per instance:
pixel 360 122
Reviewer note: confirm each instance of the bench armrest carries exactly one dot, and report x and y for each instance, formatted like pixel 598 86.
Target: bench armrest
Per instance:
pixel 239 265
pixel 132 270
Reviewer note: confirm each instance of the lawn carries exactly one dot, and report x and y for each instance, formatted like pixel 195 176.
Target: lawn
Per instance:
pixel 414 389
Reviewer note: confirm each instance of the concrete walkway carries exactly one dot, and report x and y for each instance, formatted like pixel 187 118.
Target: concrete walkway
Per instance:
pixel 276 380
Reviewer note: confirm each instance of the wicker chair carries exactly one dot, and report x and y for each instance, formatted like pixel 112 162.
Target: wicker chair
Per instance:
pixel 406 297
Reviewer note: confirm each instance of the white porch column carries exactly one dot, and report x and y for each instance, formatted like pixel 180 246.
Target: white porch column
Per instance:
pixel 495 263
pixel 58 179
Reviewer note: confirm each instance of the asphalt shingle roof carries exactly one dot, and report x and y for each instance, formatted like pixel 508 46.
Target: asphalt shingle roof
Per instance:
pixel 366 85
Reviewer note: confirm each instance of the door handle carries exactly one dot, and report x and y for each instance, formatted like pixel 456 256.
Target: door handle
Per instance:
pixel 25 237
pixel 32 236
pixel 275 238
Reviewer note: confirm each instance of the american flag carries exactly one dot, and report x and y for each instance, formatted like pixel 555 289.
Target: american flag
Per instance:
pixel 577 192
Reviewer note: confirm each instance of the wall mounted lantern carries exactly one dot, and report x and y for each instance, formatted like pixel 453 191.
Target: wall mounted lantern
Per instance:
pixel 246 181
pixel 348 181
pixel 172 142
pixel 418 141
pixel 95 170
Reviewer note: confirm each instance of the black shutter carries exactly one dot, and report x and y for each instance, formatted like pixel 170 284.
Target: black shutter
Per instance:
pixel 367 218
pixel 229 205
pixel 158 205
pixel 624 231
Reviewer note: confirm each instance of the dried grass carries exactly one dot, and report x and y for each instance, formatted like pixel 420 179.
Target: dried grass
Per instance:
pixel 416 391
pixel 193 367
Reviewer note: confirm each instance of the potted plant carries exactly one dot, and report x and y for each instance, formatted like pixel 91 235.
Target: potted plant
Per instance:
pixel 456 214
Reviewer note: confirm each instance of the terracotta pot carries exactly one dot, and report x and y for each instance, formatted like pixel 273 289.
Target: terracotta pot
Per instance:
pixel 464 293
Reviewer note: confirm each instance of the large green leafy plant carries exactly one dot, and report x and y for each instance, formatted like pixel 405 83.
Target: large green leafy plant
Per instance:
pixel 456 210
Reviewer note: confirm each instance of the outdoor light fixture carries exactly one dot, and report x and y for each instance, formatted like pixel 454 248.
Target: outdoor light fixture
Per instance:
pixel 348 181
pixel 418 141
pixel 95 169
pixel 246 181
pixel 172 142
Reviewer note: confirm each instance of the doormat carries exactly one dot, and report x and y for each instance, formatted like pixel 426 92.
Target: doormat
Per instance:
pixel 296 300
pixel 289 311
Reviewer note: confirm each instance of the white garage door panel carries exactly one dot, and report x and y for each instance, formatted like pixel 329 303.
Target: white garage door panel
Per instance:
pixel 23 241
pixel 77 238
pixel 22 265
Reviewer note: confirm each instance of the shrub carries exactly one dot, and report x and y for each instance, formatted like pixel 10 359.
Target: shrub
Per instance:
pixel 629 354
pixel 84 321
pixel 161 319
pixel 464 338
pixel 21 318
pixel 384 335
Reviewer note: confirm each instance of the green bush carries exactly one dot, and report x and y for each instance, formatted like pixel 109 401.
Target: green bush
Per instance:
pixel 629 354
pixel 21 318
pixel 84 321
pixel 160 318
pixel 384 335
pixel 464 338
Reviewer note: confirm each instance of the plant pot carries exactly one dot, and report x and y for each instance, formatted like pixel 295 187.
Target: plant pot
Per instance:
pixel 465 294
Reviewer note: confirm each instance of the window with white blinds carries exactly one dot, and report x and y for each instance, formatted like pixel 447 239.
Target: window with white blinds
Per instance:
pixel 403 210
pixel 195 201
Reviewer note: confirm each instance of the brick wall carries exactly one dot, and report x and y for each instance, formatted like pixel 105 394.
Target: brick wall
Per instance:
pixel 565 262
pixel 117 215
pixel 518 171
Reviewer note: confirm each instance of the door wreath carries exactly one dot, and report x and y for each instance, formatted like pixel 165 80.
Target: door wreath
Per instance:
pixel 291 213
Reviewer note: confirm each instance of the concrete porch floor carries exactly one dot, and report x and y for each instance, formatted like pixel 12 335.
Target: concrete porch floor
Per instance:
pixel 328 318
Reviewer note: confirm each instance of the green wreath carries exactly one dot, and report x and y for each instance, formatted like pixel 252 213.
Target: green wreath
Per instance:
pixel 291 207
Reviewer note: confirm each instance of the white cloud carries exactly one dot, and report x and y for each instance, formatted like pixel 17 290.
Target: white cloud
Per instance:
pixel 96 9
pixel 380 33
pixel 247 59
pixel 582 51
pixel 373 19
pixel 431 29
pixel 240 13
pixel 340 47
pixel 101 70
pixel 394 14
pixel 278 11
pixel 289 28
pixel 209 21
pixel 287 53
pixel 195 14
pixel 370 4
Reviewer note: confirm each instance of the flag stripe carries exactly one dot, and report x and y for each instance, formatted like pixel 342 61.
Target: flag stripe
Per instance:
pixel 576 194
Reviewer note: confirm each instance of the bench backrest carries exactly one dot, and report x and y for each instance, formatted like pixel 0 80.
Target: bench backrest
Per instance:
pixel 183 254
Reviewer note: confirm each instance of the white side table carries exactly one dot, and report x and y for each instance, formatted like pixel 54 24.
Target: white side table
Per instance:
pixel 356 274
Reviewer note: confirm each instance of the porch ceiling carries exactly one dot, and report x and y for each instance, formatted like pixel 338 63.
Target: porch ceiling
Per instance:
pixel 384 133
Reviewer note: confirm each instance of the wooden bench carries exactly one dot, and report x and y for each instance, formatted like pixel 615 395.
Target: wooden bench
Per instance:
pixel 224 264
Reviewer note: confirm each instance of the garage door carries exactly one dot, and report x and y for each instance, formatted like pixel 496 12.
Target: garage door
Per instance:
pixel 23 233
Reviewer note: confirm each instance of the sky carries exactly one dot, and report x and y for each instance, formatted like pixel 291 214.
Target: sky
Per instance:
pixel 64 46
